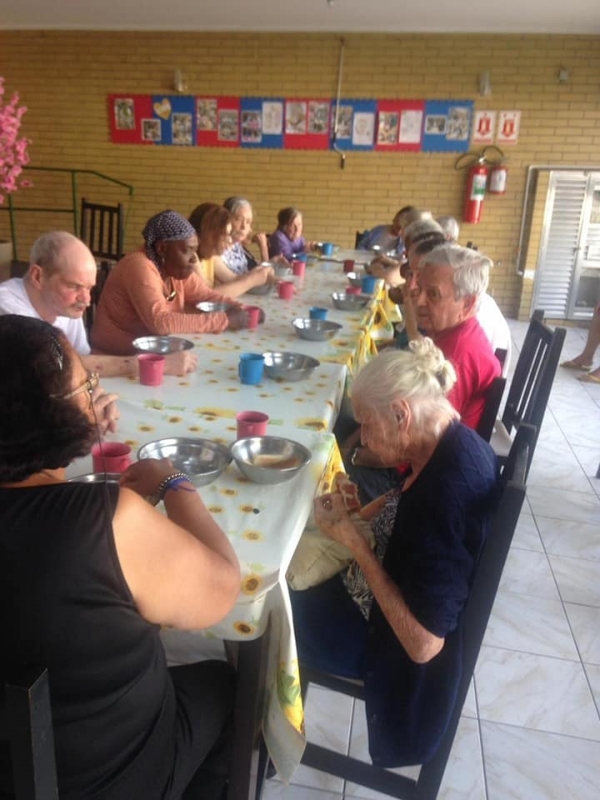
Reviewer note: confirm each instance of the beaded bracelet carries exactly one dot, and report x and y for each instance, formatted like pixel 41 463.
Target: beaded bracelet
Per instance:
pixel 171 482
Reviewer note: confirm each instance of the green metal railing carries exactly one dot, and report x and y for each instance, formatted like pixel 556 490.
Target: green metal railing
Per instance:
pixel 74 209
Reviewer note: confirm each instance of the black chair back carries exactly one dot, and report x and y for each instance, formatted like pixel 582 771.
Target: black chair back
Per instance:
pixel 103 230
pixel 27 760
pixel 358 236
pixel 493 398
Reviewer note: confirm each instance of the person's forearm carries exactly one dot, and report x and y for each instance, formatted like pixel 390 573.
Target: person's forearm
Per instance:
pixel 184 506
pixel 111 366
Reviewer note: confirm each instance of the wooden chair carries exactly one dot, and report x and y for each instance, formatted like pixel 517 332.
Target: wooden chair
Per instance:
pixel 531 384
pixel 27 761
pixel 493 398
pixel 103 230
pixel 476 614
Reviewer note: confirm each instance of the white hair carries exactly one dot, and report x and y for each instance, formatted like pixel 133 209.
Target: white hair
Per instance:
pixel 48 248
pixel 471 269
pixel 419 229
pixel 234 204
pixel 450 227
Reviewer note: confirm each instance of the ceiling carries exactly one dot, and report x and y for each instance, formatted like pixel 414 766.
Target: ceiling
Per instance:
pixel 391 16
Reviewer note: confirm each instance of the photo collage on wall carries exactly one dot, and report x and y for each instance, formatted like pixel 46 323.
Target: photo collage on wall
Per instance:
pixel 298 123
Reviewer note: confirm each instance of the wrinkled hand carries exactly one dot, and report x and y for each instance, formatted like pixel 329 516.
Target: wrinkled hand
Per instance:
pixel 105 410
pixel 180 363
pixel 332 518
pixel 260 239
pixel 238 318
pixel 145 476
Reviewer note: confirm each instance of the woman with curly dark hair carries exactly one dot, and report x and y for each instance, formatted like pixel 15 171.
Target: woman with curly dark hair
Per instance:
pixel 88 573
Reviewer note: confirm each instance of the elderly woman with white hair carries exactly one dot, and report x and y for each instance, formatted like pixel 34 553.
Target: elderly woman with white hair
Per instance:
pixel 393 618
pixel 237 257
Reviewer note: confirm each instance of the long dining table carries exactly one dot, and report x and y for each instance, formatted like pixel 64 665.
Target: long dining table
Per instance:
pixel 264 523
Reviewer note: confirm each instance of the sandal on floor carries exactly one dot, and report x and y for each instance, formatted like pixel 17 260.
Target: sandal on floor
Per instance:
pixel 574 365
pixel 587 378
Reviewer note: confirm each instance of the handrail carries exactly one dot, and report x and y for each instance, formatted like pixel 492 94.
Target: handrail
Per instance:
pixel 74 210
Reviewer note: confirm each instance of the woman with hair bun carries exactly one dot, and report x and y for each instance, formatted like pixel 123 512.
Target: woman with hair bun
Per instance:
pixel 393 618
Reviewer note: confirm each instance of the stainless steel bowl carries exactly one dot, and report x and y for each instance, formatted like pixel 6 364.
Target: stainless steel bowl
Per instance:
pixel 202 459
pixel 269 459
pixel 282 270
pixel 289 366
pixel 96 477
pixel 266 288
pixel 210 308
pixel 316 330
pixel 355 278
pixel 349 302
pixel 161 344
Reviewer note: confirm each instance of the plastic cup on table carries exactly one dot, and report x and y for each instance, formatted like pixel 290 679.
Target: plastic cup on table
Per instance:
pixel 111 457
pixel 298 268
pixel 253 316
pixel 151 369
pixel 353 290
pixel 368 284
pixel 251 423
pixel 286 289
pixel 301 257
pixel 317 313
pixel 349 265
pixel 251 368
pixel 327 248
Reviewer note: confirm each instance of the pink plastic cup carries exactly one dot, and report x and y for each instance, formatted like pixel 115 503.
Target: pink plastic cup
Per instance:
pixel 152 369
pixel 251 423
pixel 253 316
pixel 353 290
pixel 349 265
pixel 298 268
pixel 286 290
pixel 111 457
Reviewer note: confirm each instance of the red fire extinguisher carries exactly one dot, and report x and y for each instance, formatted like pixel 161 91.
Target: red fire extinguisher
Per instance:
pixel 498 177
pixel 475 191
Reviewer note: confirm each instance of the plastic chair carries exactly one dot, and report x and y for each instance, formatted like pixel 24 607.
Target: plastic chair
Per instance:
pixel 476 614
pixel 27 760
pixel 531 384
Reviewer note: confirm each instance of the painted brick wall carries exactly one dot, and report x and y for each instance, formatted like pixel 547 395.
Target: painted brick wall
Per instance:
pixel 64 78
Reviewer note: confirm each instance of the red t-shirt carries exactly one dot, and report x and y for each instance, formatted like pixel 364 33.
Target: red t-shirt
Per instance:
pixel 470 351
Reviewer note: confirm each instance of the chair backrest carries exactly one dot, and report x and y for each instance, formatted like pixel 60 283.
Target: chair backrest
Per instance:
pixel 534 374
pixel 493 398
pixel 358 236
pixel 28 768
pixel 103 229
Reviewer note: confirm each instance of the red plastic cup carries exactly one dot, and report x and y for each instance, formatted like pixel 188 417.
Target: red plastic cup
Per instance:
pixel 111 457
pixel 152 369
pixel 349 265
pixel 251 423
pixel 298 268
pixel 253 316
pixel 353 290
pixel 286 290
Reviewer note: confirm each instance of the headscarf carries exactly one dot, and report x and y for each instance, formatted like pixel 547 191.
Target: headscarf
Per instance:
pixel 168 226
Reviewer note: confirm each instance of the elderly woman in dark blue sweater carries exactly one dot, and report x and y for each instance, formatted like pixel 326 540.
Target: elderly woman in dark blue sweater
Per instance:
pixel 393 618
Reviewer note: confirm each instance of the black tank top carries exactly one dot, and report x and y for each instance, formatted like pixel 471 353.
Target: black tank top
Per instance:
pixel 65 605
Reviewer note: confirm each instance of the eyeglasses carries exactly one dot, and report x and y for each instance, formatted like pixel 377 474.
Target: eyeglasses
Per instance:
pixel 88 386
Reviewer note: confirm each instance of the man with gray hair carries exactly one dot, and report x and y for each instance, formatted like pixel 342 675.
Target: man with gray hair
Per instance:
pixel 451 280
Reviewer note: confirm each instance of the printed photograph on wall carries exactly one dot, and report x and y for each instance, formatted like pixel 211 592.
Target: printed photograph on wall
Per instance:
pixel 363 128
pixel 457 127
pixel 228 125
pixel 207 114
pixel 344 122
pixel 295 117
pixel 251 126
pixel 124 114
pixel 318 114
pixel 411 121
pixel 272 118
pixel 435 125
pixel 182 129
pixel 151 130
pixel 387 127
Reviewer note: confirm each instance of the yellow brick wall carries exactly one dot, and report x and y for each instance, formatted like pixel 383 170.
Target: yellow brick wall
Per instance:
pixel 65 77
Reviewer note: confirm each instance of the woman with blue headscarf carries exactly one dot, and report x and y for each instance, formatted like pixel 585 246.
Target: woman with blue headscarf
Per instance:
pixel 155 290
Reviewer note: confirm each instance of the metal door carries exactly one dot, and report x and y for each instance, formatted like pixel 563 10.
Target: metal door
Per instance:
pixel 586 278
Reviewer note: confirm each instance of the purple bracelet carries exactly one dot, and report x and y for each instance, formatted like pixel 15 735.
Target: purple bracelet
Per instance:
pixel 172 482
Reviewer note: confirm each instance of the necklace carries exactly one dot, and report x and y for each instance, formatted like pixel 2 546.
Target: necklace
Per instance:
pixel 173 293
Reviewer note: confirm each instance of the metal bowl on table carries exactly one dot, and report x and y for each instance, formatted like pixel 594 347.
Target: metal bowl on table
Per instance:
pixel 202 459
pixel 316 330
pixel 289 366
pixel 162 345
pixel 210 308
pixel 96 477
pixel 269 459
pixel 266 288
pixel 349 302
pixel 282 270
pixel 355 278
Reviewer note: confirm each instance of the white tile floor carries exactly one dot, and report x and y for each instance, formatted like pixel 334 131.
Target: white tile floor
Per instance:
pixel 531 726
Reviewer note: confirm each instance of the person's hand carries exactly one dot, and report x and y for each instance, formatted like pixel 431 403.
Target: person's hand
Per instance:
pixel 145 476
pixel 237 317
pixel 180 363
pixel 262 275
pixel 334 521
pixel 105 410
pixel 281 259
pixel 260 239
pixel 396 295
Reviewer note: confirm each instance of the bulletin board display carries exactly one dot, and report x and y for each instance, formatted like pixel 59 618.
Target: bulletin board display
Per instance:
pixel 296 123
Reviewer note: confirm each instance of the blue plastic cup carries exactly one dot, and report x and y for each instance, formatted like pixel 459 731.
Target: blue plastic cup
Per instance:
pixel 251 368
pixel 327 248
pixel 317 313
pixel 301 257
pixel 368 284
